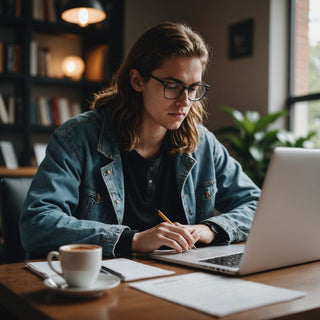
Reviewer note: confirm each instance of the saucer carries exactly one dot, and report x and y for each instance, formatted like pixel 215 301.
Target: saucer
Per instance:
pixel 104 282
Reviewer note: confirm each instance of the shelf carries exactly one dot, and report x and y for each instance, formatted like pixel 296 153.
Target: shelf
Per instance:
pixel 12 76
pixel 11 127
pixel 11 21
pixel 19 172
pixel 65 82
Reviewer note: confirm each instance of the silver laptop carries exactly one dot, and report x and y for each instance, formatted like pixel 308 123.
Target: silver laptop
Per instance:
pixel 285 230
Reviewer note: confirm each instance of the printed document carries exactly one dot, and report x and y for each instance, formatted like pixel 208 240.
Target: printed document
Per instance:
pixel 213 294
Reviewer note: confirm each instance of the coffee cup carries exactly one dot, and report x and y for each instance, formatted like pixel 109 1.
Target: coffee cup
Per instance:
pixel 80 264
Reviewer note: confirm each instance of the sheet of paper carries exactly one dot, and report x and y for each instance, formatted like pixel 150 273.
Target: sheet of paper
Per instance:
pixel 126 269
pixel 132 270
pixel 42 268
pixel 215 295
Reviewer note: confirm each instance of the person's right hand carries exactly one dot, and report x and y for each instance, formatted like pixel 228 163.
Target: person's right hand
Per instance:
pixel 175 236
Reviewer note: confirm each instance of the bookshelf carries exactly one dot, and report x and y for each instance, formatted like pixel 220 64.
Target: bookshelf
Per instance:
pixel 23 29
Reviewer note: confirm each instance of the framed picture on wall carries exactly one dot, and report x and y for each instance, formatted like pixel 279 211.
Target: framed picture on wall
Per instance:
pixel 241 39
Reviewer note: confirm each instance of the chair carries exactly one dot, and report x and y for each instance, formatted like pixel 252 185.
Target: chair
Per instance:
pixel 13 191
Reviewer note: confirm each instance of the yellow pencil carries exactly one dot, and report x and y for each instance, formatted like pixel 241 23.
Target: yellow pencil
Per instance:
pixel 166 219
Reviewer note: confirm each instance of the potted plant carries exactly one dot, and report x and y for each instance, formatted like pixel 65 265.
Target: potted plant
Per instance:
pixel 251 141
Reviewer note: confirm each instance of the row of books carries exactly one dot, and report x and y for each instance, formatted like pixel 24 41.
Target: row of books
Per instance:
pixel 12 8
pixel 54 111
pixel 11 109
pixel 40 60
pixel 8 157
pixel 46 10
pixel 10 58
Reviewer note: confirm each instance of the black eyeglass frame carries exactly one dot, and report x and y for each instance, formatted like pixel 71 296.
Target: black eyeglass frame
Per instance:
pixel 166 83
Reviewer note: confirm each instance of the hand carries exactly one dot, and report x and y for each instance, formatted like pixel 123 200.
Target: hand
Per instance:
pixel 202 233
pixel 176 236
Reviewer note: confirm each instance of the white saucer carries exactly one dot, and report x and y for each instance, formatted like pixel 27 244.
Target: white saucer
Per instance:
pixel 104 282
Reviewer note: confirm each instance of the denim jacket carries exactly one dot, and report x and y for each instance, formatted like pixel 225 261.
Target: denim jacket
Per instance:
pixel 77 195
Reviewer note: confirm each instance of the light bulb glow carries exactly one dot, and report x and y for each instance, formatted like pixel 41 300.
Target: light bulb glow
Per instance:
pixel 83 17
pixel 73 67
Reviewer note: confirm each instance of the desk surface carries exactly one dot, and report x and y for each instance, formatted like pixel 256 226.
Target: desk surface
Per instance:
pixel 25 296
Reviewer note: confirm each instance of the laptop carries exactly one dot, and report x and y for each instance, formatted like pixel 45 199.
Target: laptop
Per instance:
pixel 285 229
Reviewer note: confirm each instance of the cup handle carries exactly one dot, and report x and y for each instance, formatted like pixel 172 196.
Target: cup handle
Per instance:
pixel 53 254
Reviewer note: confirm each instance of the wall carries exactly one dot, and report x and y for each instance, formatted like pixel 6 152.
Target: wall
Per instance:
pixel 242 83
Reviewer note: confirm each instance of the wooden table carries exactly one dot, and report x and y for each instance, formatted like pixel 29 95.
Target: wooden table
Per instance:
pixel 24 295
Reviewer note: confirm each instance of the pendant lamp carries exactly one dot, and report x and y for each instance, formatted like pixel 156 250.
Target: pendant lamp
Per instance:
pixel 83 12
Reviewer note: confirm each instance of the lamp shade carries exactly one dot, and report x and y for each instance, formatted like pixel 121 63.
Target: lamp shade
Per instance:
pixel 73 67
pixel 83 12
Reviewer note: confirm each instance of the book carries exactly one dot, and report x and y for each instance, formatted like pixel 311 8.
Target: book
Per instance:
pixel 55 111
pixel 34 58
pixel 39 152
pixel 44 111
pixel 18 8
pixel 64 109
pixel 50 11
pixel 11 109
pixel 17 59
pixel 4 116
pixel 75 108
pixel 38 10
pixel 8 154
pixel 9 59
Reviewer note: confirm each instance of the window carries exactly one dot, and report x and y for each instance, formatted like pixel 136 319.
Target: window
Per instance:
pixel 304 78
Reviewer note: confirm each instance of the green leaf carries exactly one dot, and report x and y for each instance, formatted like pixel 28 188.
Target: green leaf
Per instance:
pixel 253 116
pixel 256 153
pixel 268 119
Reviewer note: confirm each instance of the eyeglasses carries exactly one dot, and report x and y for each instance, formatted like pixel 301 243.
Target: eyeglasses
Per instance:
pixel 174 89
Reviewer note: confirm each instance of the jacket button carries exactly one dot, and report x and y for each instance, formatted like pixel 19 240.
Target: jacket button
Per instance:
pixel 207 194
pixel 109 172
pixel 117 201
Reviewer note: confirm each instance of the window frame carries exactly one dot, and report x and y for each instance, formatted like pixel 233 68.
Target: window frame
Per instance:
pixel 292 98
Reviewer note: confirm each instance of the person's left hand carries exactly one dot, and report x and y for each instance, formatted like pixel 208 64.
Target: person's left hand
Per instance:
pixel 200 232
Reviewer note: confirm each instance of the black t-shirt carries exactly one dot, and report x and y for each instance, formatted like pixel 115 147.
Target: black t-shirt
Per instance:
pixel 149 184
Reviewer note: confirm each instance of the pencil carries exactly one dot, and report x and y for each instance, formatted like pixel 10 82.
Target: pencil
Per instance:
pixel 166 219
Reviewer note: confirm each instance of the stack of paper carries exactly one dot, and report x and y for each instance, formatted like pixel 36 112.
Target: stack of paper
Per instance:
pixel 125 269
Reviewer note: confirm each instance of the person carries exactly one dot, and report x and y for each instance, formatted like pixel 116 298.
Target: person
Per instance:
pixel 141 147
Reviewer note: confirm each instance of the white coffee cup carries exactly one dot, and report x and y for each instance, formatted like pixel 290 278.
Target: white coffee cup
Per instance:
pixel 80 264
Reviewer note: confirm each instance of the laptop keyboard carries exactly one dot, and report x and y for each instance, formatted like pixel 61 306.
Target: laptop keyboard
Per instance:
pixel 232 260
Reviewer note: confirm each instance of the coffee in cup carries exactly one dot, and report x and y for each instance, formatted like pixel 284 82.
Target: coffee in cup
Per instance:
pixel 80 264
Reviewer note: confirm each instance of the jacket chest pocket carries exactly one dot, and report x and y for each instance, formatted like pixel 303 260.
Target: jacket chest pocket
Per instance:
pixel 97 205
pixel 205 198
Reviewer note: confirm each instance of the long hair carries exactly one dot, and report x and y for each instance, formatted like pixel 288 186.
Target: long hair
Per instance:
pixel 147 54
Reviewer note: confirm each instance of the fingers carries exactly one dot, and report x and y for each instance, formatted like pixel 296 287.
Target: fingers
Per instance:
pixel 176 236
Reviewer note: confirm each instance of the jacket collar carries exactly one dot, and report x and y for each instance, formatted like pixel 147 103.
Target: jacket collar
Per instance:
pixel 107 144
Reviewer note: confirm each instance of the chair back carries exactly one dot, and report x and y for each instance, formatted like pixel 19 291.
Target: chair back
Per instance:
pixel 13 191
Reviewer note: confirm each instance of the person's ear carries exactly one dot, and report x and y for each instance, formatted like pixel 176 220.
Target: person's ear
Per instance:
pixel 136 80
